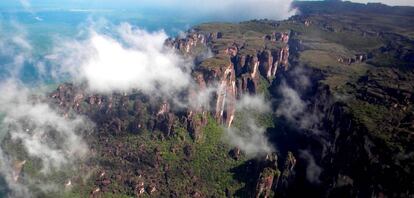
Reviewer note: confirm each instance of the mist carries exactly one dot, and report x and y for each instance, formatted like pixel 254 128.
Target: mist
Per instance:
pixel 32 132
pixel 131 58
pixel 313 170
pixel 249 135
pixel 38 133
pixel 106 58
pixel 293 106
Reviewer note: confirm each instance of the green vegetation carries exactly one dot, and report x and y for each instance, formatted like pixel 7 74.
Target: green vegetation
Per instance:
pixel 130 147
pixel 203 166
pixel 215 62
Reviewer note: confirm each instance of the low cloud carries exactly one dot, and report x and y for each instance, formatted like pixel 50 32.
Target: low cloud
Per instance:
pixel 43 133
pixel 249 136
pixel 15 50
pixel 35 131
pixel 313 171
pixel 14 189
pixel 131 59
pixel 293 107
pixel 257 103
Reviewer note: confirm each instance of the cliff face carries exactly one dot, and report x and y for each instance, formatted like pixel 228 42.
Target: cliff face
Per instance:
pixel 377 121
pixel 113 113
pixel 270 61
pixel 234 69
pixel 274 180
pixel 246 67
pixel 347 132
pixel 373 165
pixel 190 42
pixel 352 136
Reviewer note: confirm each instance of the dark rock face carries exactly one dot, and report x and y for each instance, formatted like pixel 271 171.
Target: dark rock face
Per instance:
pixel 270 61
pixel 235 71
pixel 231 70
pixel 272 180
pixel 387 87
pixel 164 123
pixel 235 153
pixel 356 159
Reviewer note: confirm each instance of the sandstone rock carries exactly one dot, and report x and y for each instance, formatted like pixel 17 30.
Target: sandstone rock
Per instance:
pixel 265 182
pixel 195 125
pixel 165 122
pixel 17 169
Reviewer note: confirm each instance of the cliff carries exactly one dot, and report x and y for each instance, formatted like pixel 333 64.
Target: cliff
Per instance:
pixel 341 121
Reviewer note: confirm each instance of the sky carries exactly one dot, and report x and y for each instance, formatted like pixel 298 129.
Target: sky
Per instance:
pixel 214 9
pixel 175 4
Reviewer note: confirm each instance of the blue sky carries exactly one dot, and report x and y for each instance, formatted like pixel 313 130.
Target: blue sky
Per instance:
pixel 219 9
pixel 176 4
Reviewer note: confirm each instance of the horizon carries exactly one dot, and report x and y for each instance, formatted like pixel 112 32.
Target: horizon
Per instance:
pixel 166 5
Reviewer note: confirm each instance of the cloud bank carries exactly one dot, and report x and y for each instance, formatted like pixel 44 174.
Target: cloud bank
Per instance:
pixel 131 59
pixel 38 133
pixel 33 123
pixel 15 50
pixel 134 59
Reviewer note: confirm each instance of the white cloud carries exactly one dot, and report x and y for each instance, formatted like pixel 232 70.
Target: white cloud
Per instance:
pixel 257 103
pixel 249 136
pixel 15 50
pixel 6 171
pixel 132 59
pixel 45 133
pixel 40 131
pixel 296 110
pixel 292 105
